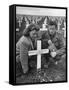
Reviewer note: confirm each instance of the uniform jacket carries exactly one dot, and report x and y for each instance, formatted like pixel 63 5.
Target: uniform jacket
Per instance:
pixel 57 39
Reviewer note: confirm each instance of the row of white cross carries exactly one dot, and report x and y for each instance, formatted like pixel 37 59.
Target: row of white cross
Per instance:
pixel 38 52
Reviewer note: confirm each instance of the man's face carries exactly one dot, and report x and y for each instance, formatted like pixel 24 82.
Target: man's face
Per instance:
pixel 52 30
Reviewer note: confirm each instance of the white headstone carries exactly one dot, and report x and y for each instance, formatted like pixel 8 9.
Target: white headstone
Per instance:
pixel 27 22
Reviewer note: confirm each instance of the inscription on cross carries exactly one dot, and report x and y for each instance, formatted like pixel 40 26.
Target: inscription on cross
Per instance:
pixel 38 52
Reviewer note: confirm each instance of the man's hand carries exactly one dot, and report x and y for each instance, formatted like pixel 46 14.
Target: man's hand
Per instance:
pixel 51 46
pixel 53 54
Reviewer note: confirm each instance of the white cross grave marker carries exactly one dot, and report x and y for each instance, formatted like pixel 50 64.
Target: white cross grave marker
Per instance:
pixel 38 52
pixel 64 29
pixel 44 26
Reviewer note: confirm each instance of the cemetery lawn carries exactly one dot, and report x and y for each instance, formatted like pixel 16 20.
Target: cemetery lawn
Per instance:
pixel 51 74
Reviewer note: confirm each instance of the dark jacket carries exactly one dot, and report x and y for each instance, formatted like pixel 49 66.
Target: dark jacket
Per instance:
pixel 56 39
pixel 58 42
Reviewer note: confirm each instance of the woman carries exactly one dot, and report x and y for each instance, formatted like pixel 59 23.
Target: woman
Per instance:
pixel 23 46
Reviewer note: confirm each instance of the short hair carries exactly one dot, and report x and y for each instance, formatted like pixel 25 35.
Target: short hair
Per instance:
pixel 53 23
pixel 30 28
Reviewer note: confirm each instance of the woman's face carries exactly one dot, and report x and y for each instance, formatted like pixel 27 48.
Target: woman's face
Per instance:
pixel 34 34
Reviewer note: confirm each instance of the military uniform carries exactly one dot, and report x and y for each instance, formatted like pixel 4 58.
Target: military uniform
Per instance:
pixel 57 44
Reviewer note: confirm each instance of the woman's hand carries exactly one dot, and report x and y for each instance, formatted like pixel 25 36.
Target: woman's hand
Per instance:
pixel 53 54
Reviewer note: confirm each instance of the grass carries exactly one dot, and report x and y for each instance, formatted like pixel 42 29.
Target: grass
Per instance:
pixel 51 74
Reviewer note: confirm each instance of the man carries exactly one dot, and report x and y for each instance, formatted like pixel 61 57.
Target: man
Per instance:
pixel 54 41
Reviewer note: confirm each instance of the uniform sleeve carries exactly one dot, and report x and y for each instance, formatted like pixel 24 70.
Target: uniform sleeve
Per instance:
pixel 24 54
pixel 61 45
pixel 61 41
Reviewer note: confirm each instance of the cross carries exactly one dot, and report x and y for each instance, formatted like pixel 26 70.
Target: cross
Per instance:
pixel 19 21
pixel 64 29
pixel 44 26
pixel 19 18
pixel 59 23
pixel 38 52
